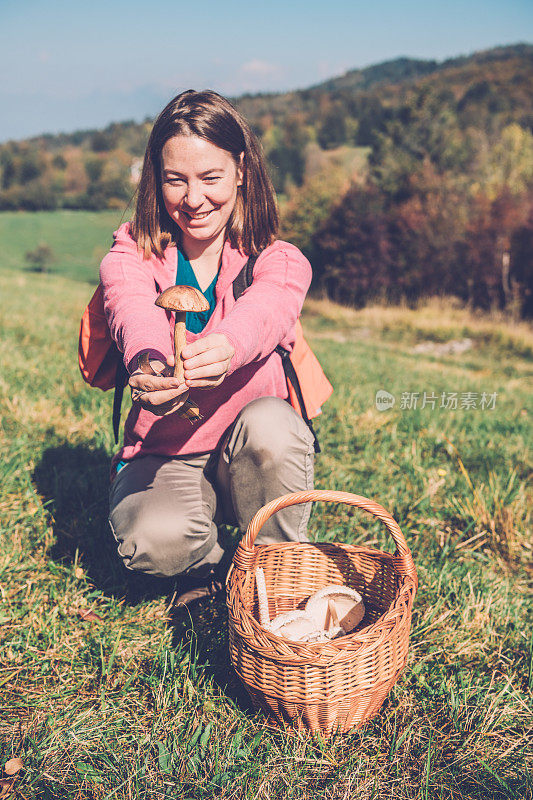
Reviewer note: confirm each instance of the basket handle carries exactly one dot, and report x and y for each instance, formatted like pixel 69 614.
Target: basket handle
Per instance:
pixel 403 560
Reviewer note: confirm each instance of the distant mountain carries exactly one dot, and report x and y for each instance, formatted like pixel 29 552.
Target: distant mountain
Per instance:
pixel 392 79
pixel 98 168
pixel 398 69
pixel 401 69
pixel 355 80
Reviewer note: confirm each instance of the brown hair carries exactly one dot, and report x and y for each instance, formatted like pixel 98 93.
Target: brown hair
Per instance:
pixel 254 221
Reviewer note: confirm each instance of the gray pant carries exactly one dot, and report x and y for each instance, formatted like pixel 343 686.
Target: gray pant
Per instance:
pixel 164 511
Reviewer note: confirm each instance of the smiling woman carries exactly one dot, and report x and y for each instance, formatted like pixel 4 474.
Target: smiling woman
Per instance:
pixel 199 186
pixel 205 206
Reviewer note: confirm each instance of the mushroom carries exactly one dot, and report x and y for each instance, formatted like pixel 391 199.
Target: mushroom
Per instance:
pixel 181 299
pixel 264 615
pixel 295 625
pixel 336 609
pixel 330 613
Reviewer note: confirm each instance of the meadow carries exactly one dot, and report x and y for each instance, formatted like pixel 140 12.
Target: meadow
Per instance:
pixel 107 695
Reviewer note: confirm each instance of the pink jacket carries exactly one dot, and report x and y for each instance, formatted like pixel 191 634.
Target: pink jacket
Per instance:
pixel 263 317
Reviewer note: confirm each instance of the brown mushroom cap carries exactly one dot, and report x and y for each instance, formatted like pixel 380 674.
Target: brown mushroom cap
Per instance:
pixel 182 298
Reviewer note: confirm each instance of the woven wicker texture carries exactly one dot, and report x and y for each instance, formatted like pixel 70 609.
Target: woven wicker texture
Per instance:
pixel 331 686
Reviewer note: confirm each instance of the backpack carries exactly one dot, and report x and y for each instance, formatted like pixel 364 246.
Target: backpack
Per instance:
pixel 100 361
pixel 102 366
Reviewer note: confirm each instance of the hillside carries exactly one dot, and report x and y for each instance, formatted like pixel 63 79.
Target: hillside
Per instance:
pixel 402 179
pixel 73 170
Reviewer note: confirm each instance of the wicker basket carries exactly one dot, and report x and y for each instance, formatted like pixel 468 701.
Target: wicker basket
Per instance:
pixel 342 683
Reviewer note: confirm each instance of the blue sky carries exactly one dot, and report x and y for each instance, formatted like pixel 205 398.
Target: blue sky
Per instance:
pixel 67 65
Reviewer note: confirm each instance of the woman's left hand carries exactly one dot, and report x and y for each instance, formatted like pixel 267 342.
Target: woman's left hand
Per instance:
pixel 206 361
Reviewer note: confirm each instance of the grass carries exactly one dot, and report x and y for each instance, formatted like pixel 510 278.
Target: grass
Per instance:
pixel 78 239
pixel 135 704
pixel 435 320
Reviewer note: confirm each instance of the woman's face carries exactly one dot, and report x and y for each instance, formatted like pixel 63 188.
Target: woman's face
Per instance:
pixel 199 183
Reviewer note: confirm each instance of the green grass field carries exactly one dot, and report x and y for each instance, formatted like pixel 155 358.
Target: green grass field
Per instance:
pixel 78 240
pixel 134 704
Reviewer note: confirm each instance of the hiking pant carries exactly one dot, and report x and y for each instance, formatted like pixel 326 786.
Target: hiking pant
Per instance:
pixel 164 511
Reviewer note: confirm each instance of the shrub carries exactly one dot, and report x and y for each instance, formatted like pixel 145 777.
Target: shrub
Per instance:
pixel 40 258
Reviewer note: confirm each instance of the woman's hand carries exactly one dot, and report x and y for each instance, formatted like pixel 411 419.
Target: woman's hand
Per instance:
pixel 161 394
pixel 206 361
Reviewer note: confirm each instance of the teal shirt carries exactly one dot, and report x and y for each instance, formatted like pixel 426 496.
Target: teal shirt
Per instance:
pixel 195 320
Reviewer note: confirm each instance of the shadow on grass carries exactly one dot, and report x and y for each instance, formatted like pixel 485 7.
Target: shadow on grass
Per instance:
pixel 74 481
pixel 205 626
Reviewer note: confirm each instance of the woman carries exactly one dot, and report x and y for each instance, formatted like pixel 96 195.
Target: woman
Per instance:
pixel 205 204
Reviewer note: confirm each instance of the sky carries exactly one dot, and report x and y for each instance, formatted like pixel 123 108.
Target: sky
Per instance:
pixel 67 65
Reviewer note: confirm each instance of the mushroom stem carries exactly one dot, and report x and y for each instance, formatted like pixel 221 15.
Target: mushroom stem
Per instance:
pixel 179 343
pixel 331 615
pixel 264 615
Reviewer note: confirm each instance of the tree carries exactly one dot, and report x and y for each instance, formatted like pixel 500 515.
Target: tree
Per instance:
pixel 101 141
pixel 521 264
pixel 285 150
pixel 94 168
pixel 507 164
pixel 333 132
pixel 59 162
pixel 372 118
pixel 30 167
pixel 9 170
pixel 308 207
pixel 489 251
pixel 353 248
pixel 40 258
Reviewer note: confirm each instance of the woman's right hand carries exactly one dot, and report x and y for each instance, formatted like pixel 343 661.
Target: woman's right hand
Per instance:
pixel 159 393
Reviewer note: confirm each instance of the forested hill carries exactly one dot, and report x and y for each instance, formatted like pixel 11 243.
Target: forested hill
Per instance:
pixel 352 108
pixel 403 178
pixel 93 168
pixel 402 69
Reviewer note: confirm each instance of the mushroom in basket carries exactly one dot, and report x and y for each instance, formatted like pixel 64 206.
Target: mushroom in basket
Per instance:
pixel 329 613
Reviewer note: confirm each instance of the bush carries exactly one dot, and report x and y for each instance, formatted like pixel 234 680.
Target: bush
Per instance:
pixel 101 142
pixel 59 162
pixel 40 258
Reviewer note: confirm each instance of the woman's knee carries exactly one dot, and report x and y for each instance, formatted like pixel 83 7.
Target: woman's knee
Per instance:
pixel 161 514
pixel 270 428
pixel 160 543
pixel 269 452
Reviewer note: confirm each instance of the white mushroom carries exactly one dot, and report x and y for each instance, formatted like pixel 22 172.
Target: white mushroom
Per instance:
pixel 336 607
pixel 264 614
pixel 329 613
pixel 294 625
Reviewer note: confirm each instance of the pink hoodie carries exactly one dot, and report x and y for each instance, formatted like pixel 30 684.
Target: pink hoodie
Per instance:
pixel 263 317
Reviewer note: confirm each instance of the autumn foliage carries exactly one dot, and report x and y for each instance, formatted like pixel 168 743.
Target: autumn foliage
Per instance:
pixel 405 179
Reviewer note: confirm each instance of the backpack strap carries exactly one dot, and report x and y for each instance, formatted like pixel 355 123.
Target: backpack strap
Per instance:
pixel 290 375
pixel 121 377
pixel 243 281
pixel 244 278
